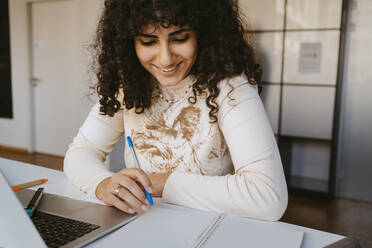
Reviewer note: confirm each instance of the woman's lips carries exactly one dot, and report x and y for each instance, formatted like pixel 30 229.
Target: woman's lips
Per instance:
pixel 170 71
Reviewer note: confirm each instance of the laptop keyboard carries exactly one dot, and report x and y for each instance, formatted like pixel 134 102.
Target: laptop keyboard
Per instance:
pixel 57 231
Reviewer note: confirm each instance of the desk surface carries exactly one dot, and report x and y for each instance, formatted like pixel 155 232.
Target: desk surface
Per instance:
pixel 18 172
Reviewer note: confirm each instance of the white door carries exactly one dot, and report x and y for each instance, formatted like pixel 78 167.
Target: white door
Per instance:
pixel 56 76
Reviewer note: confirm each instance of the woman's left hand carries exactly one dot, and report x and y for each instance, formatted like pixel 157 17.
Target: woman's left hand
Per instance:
pixel 158 181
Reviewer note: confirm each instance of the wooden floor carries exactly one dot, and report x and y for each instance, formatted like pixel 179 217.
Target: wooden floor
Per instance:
pixel 341 216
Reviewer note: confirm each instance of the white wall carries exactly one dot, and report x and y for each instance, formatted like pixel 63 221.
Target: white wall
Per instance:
pixel 355 160
pixel 17 132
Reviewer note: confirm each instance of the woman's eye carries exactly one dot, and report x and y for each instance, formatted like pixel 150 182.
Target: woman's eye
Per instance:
pixel 148 43
pixel 181 40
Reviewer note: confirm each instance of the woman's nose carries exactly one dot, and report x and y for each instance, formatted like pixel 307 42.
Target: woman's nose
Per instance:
pixel 165 55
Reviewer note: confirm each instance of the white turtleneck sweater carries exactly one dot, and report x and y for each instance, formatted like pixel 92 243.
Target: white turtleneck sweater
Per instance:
pixel 230 166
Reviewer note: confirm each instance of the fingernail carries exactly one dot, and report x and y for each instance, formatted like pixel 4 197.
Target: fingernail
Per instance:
pixel 144 207
pixel 131 211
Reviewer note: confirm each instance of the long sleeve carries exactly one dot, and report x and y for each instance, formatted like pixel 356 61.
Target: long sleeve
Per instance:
pixel 84 160
pixel 258 188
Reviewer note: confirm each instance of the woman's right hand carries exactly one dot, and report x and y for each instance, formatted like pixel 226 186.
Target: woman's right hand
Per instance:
pixel 131 197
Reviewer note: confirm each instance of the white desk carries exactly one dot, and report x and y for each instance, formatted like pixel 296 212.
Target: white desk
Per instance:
pixel 18 172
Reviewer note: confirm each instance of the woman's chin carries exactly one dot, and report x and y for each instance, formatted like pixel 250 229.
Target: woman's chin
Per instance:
pixel 170 81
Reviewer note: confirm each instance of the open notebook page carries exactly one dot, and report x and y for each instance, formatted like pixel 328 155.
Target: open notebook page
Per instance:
pixel 241 232
pixel 161 227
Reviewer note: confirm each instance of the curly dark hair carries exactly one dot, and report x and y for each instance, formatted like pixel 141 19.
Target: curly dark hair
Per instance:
pixel 223 50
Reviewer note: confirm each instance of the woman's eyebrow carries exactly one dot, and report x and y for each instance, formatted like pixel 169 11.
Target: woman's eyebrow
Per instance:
pixel 171 34
pixel 180 31
pixel 147 35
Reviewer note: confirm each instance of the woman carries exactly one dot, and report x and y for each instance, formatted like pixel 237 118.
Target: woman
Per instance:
pixel 179 78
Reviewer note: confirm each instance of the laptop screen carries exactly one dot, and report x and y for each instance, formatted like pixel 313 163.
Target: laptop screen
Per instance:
pixel 16 227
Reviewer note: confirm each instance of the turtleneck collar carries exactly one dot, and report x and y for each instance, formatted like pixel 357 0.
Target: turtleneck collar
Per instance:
pixel 178 91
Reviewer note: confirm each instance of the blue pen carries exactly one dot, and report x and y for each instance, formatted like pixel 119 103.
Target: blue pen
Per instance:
pixel 148 195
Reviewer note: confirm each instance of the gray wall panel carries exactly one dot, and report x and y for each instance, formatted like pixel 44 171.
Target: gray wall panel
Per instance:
pixel 355 160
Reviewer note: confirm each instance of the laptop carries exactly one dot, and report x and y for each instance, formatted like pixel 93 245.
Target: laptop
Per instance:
pixel 76 223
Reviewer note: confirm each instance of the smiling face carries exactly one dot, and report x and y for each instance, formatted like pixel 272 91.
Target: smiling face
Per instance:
pixel 168 54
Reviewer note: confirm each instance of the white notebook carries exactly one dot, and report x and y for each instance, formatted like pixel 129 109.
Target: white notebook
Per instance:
pixel 168 227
